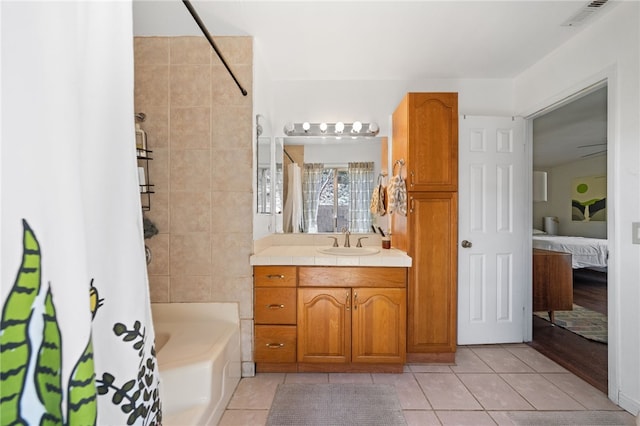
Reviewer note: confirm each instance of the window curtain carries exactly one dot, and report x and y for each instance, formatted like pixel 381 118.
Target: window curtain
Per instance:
pixel 311 186
pixel 76 336
pixel 361 182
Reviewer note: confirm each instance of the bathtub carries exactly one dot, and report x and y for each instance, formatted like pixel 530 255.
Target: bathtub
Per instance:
pixel 198 353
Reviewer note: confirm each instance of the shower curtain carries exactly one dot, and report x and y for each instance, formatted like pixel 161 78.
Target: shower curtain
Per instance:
pixel 292 216
pixel 360 189
pixel 76 335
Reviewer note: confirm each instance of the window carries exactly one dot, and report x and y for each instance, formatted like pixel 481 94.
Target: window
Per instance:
pixel 333 208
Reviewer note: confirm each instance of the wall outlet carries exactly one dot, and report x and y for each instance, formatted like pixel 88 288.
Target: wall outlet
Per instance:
pixel 635 236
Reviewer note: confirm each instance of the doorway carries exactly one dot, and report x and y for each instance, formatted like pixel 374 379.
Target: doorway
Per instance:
pixel 570 146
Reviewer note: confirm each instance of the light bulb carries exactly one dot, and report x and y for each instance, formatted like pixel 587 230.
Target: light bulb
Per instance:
pixel 323 127
pixel 289 128
pixel 339 127
pixel 373 128
pixel 306 126
pixel 357 126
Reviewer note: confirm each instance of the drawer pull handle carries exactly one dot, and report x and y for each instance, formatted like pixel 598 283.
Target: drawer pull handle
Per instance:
pixel 275 306
pixel 278 276
pixel 275 345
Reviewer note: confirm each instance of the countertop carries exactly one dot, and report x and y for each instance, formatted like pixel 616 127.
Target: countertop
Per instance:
pixel 311 255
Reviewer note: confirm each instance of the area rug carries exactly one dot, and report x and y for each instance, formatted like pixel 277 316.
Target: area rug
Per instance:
pixel 582 321
pixel 335 405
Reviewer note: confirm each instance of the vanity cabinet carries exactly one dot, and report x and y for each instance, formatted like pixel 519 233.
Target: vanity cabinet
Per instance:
pixel 351 319
pixel 425 139
pixel 347 319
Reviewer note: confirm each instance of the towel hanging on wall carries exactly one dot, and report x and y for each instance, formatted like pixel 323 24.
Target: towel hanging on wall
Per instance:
pixel 397 192
pixel 379 198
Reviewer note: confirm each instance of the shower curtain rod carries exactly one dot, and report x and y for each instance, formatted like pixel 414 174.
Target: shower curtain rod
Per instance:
pixel 204 30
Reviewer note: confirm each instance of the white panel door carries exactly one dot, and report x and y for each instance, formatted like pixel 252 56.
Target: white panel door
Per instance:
pixel 492 268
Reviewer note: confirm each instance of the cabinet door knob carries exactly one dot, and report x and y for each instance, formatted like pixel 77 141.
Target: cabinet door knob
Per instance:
pixel 275 306
pixel 466 244
pixel 348 305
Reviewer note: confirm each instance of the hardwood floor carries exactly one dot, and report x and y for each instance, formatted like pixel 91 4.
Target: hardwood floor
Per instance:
pixel 585 358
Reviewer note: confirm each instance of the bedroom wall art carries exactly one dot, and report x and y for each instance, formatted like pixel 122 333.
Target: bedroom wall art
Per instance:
pixel 589 199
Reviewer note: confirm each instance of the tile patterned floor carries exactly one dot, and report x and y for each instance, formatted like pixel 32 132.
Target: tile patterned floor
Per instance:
pixel 488 385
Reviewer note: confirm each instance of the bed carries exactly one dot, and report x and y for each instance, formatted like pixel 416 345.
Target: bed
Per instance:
pixel 585 252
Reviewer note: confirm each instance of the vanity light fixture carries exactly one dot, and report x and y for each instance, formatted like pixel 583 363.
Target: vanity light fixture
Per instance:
pixel 289 127
pixel 331 129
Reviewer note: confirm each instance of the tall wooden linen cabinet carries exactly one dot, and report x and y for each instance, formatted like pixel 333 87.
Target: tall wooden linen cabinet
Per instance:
pixel 425 139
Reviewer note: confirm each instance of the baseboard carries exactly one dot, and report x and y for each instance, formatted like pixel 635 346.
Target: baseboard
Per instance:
pixel 629 404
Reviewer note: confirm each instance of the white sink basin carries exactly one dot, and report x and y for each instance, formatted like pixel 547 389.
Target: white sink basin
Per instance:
pixel 349 251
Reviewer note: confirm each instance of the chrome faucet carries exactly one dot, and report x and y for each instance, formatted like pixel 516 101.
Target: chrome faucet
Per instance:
pixel 346 233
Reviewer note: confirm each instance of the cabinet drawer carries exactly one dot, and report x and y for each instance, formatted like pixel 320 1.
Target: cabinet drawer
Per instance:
pixel 275 305
pixel 274 276
pixel 336 276
pixel 275 343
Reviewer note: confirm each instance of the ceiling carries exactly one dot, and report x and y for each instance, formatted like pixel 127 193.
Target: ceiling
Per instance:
pixel 577 130
pixel 379 40
pixel 323 40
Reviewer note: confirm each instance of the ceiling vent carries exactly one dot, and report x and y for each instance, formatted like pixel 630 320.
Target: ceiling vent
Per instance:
pixel 585 13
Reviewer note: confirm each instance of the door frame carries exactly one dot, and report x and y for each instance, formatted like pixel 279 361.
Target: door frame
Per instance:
pixel 607 77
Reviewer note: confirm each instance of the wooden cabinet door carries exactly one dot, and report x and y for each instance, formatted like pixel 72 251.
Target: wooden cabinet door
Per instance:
pixel 324 325
pixel 432 296
pixel 379 325
pixel 432 142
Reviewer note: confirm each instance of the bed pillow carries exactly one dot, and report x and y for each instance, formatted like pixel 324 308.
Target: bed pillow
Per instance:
pixel 538 232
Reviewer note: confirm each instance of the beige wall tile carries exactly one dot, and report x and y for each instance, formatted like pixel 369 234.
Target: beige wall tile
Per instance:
pixel 190 85
pixel 190 254
pixel 159 170
pixel 229 132
pixel 159 246
pixel 202 251
pixel 246 340
pixel 230 254
pixel 189 50
pixel 151 50
pixel 235 50
pixel 188 170
pixel 232 211
pixel 159 288
pixel 156 125
pixel 151 86
pixel 190 212
pixel 231 289
pixel 190 288
pixel 159 212
pixel 232 170
pixel 190 128
pixel 224 90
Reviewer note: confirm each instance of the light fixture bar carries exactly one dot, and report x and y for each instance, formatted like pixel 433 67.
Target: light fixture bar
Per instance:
pixel 331 129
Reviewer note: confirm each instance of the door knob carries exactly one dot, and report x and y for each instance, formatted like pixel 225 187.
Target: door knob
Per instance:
pixel 466 244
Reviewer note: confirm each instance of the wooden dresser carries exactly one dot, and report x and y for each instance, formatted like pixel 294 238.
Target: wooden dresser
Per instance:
pixel 552 281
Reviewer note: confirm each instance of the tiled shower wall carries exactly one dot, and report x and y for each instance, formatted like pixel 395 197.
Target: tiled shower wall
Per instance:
pixel 199 128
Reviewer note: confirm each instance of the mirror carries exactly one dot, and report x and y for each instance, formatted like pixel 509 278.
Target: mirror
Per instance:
pixel 269 176
pixel 334 180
